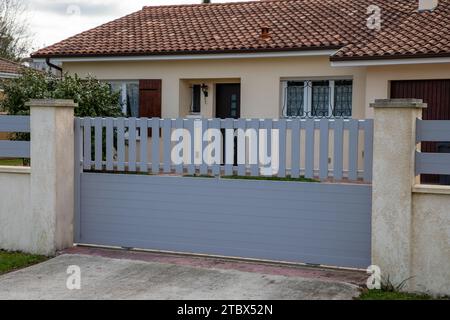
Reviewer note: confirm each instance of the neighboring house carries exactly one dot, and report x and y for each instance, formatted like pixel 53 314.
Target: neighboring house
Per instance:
pixel 9 69
pixel 268 59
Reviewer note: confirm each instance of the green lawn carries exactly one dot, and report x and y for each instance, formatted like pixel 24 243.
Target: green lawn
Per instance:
pixel 11 162
pixel 10 261
pixel 392 295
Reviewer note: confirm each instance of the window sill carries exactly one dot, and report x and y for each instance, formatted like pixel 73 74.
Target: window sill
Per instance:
pixel 194 116
pixel 431 189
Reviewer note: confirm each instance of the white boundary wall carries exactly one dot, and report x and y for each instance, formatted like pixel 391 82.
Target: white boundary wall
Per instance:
pixel 410 221
pixel 15 207
pixel 37 203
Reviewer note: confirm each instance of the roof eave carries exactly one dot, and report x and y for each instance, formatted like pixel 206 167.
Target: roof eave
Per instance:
pixel 389 60
pixel 200 53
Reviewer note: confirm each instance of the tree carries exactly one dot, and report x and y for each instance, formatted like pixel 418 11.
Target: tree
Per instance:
pixel 94 98
pixel 14 30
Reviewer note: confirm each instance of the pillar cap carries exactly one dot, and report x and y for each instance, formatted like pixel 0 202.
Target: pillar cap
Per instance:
pixel 399 103
pixel 53 103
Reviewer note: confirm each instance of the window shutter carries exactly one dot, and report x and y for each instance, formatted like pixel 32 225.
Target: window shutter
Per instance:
pixel 150 100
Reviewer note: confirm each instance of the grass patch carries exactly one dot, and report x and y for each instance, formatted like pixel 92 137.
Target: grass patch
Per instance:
pixel 10 261
pixel 287 178
pixel 11 162
pixel 197 176
pixel 393 295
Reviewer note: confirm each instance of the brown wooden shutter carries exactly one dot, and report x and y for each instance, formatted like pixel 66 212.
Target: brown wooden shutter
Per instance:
pixel 150 98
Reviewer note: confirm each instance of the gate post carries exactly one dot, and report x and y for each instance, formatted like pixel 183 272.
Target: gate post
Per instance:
pixel 393 177
pixel 52 174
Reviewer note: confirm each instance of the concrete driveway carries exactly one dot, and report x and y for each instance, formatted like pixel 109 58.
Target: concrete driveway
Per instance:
pixel 114 274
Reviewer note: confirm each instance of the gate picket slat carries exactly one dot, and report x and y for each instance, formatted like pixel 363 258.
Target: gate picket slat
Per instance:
pixel 368 149
pixel 87 152
pixel 109 144
pixel 155 145
pixel 132 144
pixel 309 148
pixel 282 126
pixel 143 135
pixel 241 125
pixel 267 125
pixel 254 167
pixel 324 146
pixel 229 145
pixel 98 143
pixel 179 125
pixel 215 123
pixel 204 166
pixel 338 149
pixel 295 145
pixel 167 125
pixel 120 144
pixel 353 150
pixel 189 125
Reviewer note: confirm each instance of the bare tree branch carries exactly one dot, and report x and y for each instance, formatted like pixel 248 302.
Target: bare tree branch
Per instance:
pixel 14 30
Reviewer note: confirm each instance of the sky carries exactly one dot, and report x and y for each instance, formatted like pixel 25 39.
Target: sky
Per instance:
pixel 51 21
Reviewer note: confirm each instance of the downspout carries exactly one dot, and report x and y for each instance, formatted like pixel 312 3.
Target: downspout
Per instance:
pixel 54 66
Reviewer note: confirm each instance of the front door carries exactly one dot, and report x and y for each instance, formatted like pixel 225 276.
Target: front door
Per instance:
pixel 228 105
pixel 228 100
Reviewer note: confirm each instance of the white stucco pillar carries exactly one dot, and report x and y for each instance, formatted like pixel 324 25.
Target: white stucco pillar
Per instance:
pixel 52 174
pixel 393 178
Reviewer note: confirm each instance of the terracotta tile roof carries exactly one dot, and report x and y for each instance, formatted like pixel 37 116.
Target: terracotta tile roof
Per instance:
pixel 7 66
pixel 294 25
pixel 405 32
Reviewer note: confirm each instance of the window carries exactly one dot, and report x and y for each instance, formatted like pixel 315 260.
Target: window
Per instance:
pixel 343 91
pixel 321 98
pixel 129 96
pixel 196 93
pixel 320 101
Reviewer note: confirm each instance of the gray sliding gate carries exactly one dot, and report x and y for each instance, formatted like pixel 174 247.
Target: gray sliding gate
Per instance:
pixel 290 221
pixel 318 223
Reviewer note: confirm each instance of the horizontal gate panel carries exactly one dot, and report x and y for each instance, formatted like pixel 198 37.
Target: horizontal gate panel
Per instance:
pixel 316 223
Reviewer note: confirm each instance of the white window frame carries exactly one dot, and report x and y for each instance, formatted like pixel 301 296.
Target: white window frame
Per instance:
pixel 123 100
pixel 123 91
pixel 308 94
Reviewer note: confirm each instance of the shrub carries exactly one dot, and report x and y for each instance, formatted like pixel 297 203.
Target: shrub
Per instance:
pixel 94 98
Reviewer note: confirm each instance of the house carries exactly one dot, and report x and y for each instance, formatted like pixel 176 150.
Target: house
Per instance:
pixel 268 59
pixel 9 69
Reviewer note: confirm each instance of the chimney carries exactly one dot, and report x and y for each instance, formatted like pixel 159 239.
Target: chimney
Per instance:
pixel 265 33
pixel 427 5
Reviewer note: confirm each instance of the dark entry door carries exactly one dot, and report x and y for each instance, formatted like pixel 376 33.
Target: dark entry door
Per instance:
pixel 228 105
pixel 436 93
pixel 228 100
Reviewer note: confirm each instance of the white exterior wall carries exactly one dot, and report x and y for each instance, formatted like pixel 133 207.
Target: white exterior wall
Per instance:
pixel 259 77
